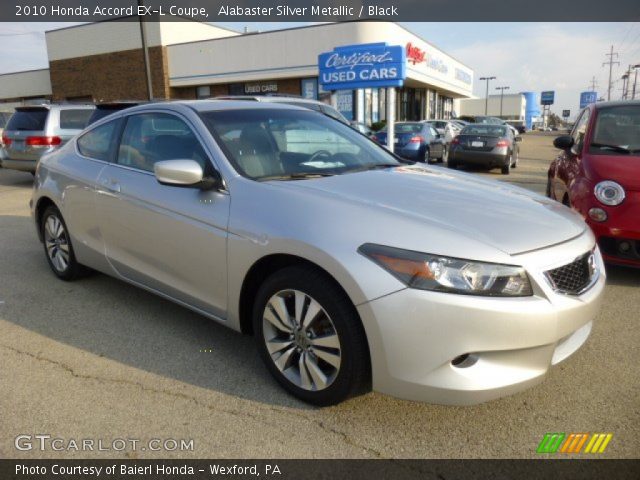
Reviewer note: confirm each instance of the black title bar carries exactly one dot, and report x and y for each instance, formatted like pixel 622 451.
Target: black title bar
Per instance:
pixel 321 10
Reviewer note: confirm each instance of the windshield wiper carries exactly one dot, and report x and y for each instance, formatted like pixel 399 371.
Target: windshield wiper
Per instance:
pixel 616 148
pixel 296 176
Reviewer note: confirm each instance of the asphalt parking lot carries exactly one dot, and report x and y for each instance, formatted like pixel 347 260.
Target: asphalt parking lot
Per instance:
pixel 100 359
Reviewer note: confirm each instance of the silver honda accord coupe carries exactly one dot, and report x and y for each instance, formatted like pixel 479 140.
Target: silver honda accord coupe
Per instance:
pixel 353 271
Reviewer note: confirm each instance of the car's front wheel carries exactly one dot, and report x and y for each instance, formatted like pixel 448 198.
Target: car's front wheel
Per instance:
pixel 57 246
pixel 310 336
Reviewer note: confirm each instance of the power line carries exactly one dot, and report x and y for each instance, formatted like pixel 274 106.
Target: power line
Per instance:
pixel 611 63
pixel 594 84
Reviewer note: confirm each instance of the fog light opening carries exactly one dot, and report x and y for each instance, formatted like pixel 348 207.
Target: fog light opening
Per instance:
pixel 464 361
pixel 597 214
pixel 624 247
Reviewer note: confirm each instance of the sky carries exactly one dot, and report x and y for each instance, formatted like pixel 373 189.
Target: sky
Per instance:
pixel 563 57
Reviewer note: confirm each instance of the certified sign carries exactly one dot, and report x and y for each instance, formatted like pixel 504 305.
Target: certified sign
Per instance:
pixel 368 65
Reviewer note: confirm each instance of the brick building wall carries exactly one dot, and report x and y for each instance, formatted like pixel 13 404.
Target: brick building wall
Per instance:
pixel 110 76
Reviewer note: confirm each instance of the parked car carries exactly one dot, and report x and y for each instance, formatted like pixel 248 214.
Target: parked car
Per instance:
pixel 598 174
pixel 107 108
pixel 352 271
pixel 34 131
pixel 4 118
pixel 487 145
pixel 417 141
pixel 363 128
pixel 316 105
pixel 439 125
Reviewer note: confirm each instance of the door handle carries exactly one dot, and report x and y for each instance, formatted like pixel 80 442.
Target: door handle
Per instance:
pixel 111 185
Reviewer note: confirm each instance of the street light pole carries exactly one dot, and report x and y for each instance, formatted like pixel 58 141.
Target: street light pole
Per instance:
pixel 502 89
pixel 486 99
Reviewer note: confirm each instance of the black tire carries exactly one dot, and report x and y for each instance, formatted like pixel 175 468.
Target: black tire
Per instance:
pixel 354 375
pixel 506 169
pixel 427 156
pixel 73 269
pixel 452 164
pixel 548 187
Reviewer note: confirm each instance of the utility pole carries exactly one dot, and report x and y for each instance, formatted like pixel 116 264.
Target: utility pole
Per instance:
pixel 635 81
pixel 486 98
pixel 594 84
pixel 145 51
pixel 502 89
pixel 611 63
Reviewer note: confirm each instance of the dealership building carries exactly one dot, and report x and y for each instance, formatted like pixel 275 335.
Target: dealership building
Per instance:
pixel 105 61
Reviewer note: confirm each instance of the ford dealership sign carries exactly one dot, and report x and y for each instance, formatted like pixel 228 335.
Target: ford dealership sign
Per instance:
pixel 368 65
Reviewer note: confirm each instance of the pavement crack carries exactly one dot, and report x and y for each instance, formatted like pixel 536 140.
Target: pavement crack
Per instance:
pixel 233 412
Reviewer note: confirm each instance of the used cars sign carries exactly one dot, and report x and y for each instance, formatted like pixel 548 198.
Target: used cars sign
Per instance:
pixel 367 65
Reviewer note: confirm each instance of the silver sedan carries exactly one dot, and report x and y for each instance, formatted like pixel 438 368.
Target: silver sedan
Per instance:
pixel 352 270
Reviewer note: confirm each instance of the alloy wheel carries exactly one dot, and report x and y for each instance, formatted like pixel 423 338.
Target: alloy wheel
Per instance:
pixel 56 243
pixel 301 339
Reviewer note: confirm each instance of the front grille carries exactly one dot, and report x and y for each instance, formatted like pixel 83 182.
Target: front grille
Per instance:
pixel 575 277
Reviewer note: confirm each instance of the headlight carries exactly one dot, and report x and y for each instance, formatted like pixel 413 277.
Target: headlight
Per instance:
pixel 454 275
pixel 609 193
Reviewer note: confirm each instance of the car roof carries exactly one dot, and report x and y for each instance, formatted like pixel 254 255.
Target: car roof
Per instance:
pixel 214 105
pixel 270 99
pixel 616 103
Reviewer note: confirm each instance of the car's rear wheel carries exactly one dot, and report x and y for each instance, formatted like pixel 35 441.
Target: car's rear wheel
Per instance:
pixel 310 337
pixel 427 155
pixel 506 168
pixel 515 159
pixel 452 164
pixel 57 246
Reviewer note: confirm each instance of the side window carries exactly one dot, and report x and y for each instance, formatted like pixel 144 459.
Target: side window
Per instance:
pixel 332 112
pixel 580 130
pixel 97 143
pixel 153 137
pixel 434 132
pixel 74 119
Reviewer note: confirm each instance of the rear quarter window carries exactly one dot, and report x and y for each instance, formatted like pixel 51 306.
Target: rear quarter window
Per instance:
pixel 28 120
pixel 97 143
pixel 74 119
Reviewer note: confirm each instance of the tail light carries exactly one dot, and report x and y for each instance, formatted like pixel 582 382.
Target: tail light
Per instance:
pixel 6 140
pixel 374 138
pixel 416 139
pixel 43 141
pixel 502 143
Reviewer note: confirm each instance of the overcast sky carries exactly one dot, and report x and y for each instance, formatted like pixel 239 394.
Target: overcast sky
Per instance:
pixel 524 56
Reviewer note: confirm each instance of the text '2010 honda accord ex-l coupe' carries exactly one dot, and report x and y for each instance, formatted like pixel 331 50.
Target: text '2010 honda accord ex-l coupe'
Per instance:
pixel 353 271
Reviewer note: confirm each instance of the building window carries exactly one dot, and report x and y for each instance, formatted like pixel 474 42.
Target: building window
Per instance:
pixel 203 91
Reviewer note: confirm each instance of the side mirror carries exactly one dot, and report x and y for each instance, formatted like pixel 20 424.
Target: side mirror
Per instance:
pixel 565 142
pixel 184 173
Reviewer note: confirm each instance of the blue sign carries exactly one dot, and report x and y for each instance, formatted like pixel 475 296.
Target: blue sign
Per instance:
pixel 546 98
pixel 369 65
pixel 587 98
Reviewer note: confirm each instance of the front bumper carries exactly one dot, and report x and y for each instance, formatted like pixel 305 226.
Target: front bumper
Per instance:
pixel 415 335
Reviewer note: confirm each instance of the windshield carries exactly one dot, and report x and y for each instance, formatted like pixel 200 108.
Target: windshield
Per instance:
pixel 279 143
pixel 617 130
pixel 484 130
pixel 406 128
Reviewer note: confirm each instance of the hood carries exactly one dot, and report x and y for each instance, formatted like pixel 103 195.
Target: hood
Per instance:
pixel 508 218
pixel 623 169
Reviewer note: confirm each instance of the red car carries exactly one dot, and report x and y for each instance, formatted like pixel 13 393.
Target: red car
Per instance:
pixel 598 175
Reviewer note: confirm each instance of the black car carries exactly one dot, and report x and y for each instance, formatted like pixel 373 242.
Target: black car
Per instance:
pixel 491 146
pixel 107 108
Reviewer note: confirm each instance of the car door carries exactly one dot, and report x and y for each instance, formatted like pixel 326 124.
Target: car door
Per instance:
pixel 436 145
pixel 169 239
pixel 569 161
